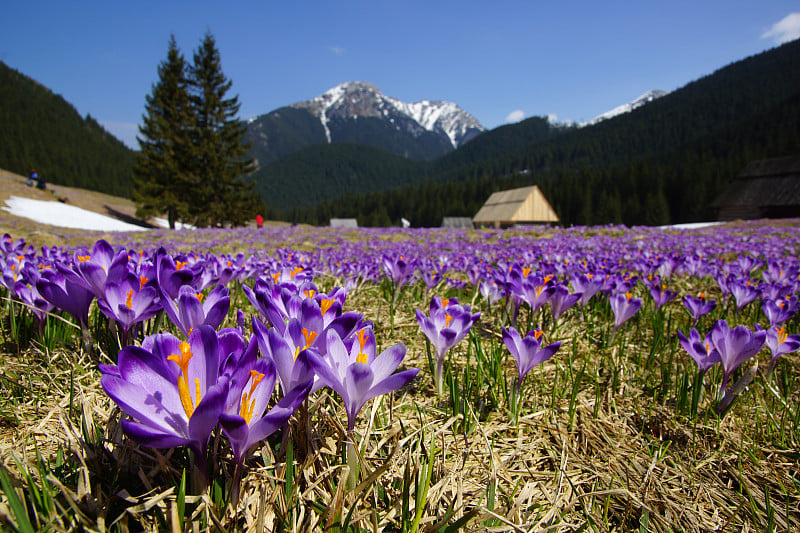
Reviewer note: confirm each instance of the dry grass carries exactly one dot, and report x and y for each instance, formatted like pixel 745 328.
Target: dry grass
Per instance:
pixel 616 457
pixel 620 462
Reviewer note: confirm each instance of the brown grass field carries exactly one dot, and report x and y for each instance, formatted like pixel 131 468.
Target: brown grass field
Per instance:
pixel 599 445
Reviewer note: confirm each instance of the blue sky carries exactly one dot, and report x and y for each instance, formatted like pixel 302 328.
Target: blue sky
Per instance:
pixel 500 62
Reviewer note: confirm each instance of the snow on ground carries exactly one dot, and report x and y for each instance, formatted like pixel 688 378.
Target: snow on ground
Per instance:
pixel 164 223
pixel 65 216
pixel 692 225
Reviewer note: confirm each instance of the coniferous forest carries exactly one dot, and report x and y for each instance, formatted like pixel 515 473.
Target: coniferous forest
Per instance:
pixel 41 130
pixel 665 162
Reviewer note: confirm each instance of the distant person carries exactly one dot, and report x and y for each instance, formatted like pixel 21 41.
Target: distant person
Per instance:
pixel 32 177
pixel 259 221
pixel 40 183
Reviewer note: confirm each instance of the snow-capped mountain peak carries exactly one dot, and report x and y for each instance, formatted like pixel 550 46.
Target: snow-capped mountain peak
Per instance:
pixel 361 99
pixel 646 98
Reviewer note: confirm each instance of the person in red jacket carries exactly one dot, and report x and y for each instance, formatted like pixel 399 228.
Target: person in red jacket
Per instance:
pixel 259 221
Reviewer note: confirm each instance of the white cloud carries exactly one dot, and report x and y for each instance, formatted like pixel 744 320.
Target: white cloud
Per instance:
pixel 552 118
pixel 515 116
pixel 337 50
pixel 785 30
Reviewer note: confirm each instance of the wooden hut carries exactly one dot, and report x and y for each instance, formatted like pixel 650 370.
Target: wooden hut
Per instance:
pixel 344 223
pixel 526 205
pixel 769 188
pixel 457 222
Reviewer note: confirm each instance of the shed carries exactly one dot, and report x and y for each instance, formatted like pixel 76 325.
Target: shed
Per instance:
pixel 526 205
pixel 344 223
pixel 768 188
pixel 457 222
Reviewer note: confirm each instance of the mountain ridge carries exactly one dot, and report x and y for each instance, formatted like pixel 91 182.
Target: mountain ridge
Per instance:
pixel 358 112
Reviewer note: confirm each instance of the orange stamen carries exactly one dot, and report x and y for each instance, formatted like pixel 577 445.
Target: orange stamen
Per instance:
pixel 180 264
pixel 325 304
pixel 129 299
pixel 781 335
pixel 182 360
pixel 248 403
pixel 142 281
pixel 199 297
pixel 310 336
pixel 362 339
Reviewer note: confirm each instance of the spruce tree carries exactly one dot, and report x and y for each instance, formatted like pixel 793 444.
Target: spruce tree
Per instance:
pixel 220 162
pixel 162 174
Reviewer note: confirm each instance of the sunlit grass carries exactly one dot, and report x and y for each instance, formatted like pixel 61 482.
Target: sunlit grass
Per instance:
pixel 609 434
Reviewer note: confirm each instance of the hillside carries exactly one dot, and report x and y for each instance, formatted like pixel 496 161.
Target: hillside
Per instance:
pixel 42 130
pixel 321 172
pixel 12 184
pixel 662 163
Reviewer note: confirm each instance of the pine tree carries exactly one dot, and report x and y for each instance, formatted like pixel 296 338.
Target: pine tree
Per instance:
pixel 161 173
pixel 221 196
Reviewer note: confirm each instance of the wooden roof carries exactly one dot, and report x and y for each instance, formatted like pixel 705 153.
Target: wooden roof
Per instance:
pixel 516 206
pixel 765 183
pixel 769 188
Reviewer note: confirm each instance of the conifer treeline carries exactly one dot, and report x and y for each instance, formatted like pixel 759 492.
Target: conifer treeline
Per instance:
pixel 664 163
pixel 193 155
pixel 41 130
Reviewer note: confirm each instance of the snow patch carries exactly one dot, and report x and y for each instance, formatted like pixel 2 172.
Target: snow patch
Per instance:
pixel 65 216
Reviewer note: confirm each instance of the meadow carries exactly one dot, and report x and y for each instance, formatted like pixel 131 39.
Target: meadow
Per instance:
pixel 295 378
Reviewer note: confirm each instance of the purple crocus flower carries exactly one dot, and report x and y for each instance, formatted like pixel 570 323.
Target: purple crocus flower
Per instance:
pixel 357 376
pixel 245 419
pixel 527 351
pixel 171 390
pixel 703 351
pixel 284 351
pixel 192 308
pixel 536 290
pixel 66 293
pixel 586 284
pixel 128 301
pixel 561 300
pixel 698 306
pixel 779 311
pixel 660 293
pixel 491 292
pixel 624 307
pixel 780 343
pixel 399 269
pixel 743 292
pixel 735 346
pixel 172 274
pixel 448 323
pixel 40 307
pixel 100 265
pixel 275 303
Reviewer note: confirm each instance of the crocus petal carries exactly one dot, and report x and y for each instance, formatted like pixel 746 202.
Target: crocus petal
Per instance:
pixel 148 408
pixel 388 361
pixel 149 436
pixel 206 414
